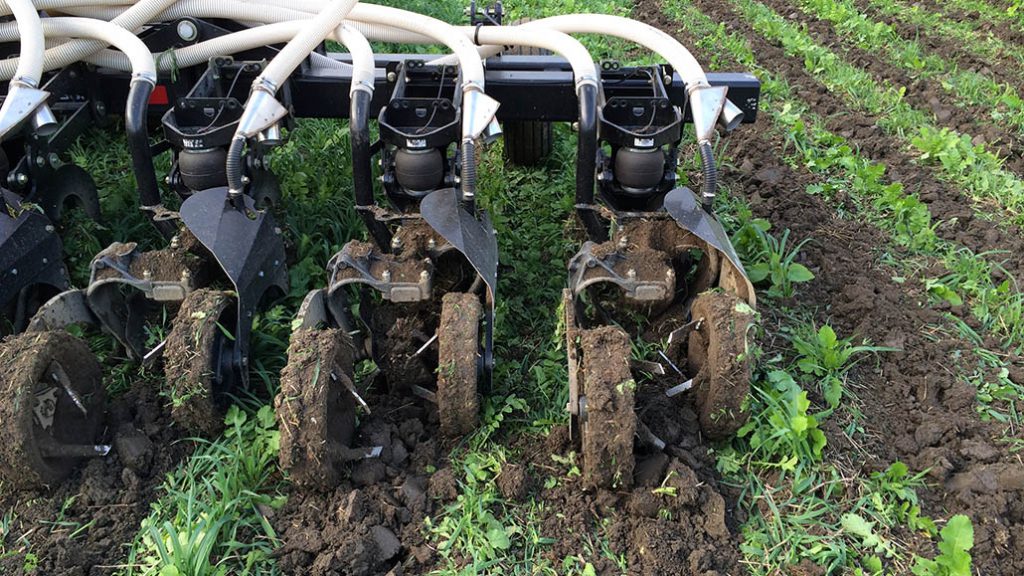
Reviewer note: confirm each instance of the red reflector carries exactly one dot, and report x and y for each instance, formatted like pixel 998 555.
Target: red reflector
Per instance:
pixel 159 97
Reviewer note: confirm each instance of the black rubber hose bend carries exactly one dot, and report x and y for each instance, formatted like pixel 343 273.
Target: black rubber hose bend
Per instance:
pixel 136 126
pixel 468 174
pixel 233 166
pixel 362 170
pixel 710 185
pixel 586 163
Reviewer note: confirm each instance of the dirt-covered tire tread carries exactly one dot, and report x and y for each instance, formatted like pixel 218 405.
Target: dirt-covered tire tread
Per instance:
pixel 717 352
pixel 315 412
pixel 458 342
pixel 24 363
pixel 188 361
pixel 609 426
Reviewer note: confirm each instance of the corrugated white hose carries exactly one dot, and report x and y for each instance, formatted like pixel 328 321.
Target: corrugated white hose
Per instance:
pixel 263 110
pixel 33 43
pixel 139 58
pixel 72 52
pixel 6 5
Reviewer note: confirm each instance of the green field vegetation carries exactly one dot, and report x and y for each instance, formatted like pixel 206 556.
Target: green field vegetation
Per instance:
pixel 805 501
pixel 961 32
pixel 995 100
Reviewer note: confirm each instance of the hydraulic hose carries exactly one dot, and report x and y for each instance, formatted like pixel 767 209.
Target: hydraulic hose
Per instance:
pixel 709 186
pixel 71 52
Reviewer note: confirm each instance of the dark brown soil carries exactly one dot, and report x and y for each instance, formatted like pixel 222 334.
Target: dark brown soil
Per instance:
pixel 188 360
pixel 458 353
pixel 1000 66
pixel 945 202
pixel 1005 30
pixel 104 501
pixel 915 409
pixel 924 94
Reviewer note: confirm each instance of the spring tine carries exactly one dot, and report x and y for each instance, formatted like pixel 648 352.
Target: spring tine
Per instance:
pixel 157 351
pixel 57 450
pixel 670 363
pixel 426 345
pixel 676 390
pixel 422 392
pixel 61 377
pixel 645 366
pixel 648 437
pixel 682 330
pixel 351 388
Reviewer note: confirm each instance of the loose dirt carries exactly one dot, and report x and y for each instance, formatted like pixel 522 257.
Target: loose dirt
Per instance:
pixel 82 526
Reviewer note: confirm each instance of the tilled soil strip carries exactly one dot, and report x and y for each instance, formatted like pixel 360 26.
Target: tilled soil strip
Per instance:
pixel 861 131
pixel 921 93
pixel 995 63
pixel 918 411
pixel 986 18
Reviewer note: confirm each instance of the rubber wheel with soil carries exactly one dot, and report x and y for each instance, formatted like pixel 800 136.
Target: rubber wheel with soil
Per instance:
pixel 458 344
pixel 608 425
pixel 193 348
pixel 315 408
pixel 37 411
pixel 527 143
pixel 719 358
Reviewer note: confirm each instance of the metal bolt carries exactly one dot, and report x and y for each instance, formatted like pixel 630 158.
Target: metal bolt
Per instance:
pixel 167 179
pixel 14 271
pixel 386 276
pixel 50 228
pixel 396 243
pixel 55 160
pixel 46 260
pixel 40 161
pixel 146 275
pixel 631 274
pixel 431 243
pixel 21 178
pixel 424 276
pixel 261 274
pixel 175 242
pixel 670 273
pixel 623 242
pixel 245 179
pixel 575 126
pixel 101 108
pixel 668 80
pixel 392 76
pixel 185 276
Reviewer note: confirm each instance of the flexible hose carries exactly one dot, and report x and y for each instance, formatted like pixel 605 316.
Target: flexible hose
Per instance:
pixel 6 6
pixel 233 166
pixel 71 52
pixel 136 56
pixel 709 187
pixel 33 43
pixel 468 174
pixel 312 34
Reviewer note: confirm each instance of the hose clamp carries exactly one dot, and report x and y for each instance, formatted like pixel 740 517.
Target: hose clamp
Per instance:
pixel 472 86
pixel 586 81
pixel 264 84
pixel 362 86
pixel 148 77
pixel 25 82
pixel 476 33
